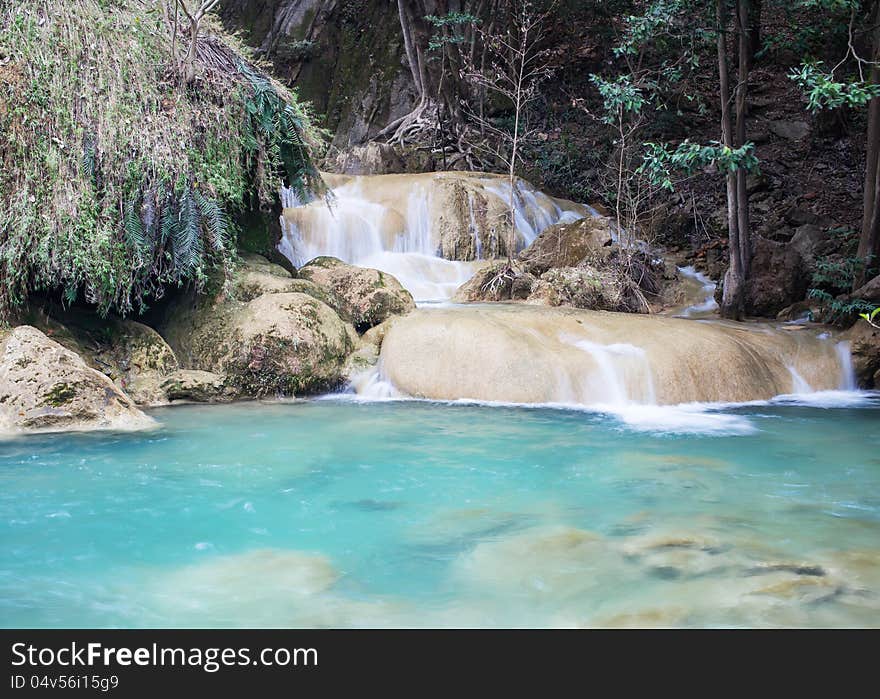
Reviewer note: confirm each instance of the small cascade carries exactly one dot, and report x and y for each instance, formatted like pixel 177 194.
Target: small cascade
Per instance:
pixel 372 384
pixel 533 210
pixel 707 289
pixel 624 374
pixel 400 224
pixel 799 383
pixel 844 353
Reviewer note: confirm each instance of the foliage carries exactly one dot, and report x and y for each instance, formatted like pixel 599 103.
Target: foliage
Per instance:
pixel 660 161
pixel 619 96
pixel 445 28
pixel 871 316
pixel 833 276
pixel 115 179
pixel 824 92
pixel 840 309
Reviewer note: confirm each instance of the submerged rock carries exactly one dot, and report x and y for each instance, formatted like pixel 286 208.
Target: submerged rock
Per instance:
pixel 263 587
pixel 549 564
pixel 366 296
pixel 46 387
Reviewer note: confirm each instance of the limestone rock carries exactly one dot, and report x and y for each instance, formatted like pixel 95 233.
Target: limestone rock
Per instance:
pixel 372 158
pixel 566 244
pixel 257 276
pixel 368 296
pixel 132 354
pixel 46 387
pixel 197 386
pixel 518 354
pixel 864 342
pixel 286 342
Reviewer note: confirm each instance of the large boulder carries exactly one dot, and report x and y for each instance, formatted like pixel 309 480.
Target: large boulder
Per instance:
pixel 132 354
pixel 286 342
pixel 46 387
pixel 368 296
pixel 566 244
pixel 869 291
pixel 256 276
pixel 778 277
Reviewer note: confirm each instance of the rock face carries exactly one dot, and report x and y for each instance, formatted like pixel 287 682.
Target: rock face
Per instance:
pixel 366 296
pixel 864 342
pixel 46 387
pixel 370 159
pixel 286 342
pixel 314 44
pixel 566 244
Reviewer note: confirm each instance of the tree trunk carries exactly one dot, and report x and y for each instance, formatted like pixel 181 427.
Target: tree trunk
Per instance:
pixel 755 30
pixel 742 195
pixel 869 240
pixel 732 300
pixel 190 67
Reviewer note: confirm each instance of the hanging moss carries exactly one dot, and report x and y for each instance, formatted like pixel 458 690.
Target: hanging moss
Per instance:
pixel 116 179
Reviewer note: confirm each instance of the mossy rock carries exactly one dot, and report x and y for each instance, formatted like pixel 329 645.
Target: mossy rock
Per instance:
pixel 366 296
pixel 284 343
pixel 46 387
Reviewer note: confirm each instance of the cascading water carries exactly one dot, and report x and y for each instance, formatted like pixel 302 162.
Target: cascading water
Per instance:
pixel 707 288
pixel 400 224
pixel 525 355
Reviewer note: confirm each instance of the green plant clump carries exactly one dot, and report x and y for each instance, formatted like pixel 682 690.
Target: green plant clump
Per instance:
pixel 117 179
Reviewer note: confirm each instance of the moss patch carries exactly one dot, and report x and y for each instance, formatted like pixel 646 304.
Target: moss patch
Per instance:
pixel 60 394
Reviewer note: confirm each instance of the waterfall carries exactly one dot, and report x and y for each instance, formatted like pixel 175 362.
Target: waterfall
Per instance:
pixel 844 353
pixel 397 223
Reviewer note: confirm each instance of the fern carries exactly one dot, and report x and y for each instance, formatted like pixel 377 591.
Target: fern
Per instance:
pixel 215 222
pixel 186 237
pixel 134 227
